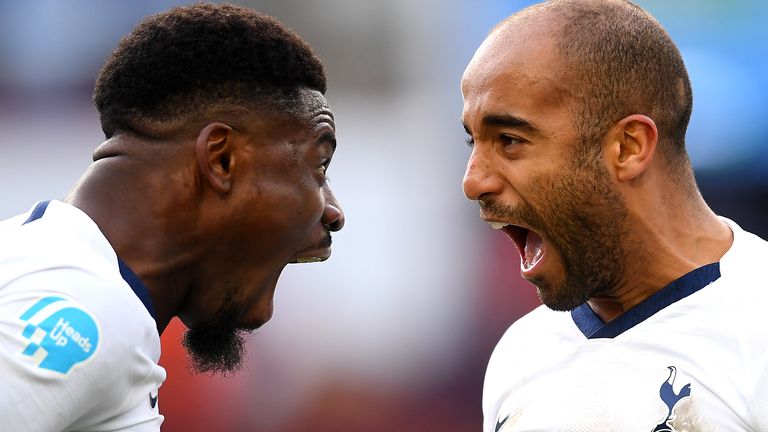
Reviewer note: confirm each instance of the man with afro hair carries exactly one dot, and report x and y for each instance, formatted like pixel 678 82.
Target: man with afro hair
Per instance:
pixel 211 180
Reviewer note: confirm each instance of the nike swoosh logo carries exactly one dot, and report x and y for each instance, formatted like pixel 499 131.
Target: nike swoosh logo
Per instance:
pixel 152 401
pixel 499 424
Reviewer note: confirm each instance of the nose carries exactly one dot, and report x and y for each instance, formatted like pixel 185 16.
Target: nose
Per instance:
pixel 480 178
pixel 333 215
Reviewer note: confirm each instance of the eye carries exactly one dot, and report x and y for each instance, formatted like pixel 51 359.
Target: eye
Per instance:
pixel 323 169
pixel 470 141
pixel 510 140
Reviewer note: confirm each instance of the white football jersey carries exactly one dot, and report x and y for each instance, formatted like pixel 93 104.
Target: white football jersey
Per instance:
pixel 692 357
pixel 78 342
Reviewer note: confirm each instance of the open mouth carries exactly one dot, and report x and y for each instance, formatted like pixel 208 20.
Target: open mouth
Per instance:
pixel 529 243
pixel 317 252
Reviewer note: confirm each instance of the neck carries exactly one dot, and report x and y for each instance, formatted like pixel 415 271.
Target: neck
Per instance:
pixel 133 206
pixel 665 244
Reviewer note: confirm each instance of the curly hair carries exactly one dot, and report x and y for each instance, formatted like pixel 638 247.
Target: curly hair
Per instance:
pixel 189 59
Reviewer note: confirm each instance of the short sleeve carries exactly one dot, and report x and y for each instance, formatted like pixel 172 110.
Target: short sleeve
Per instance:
pixel 69 361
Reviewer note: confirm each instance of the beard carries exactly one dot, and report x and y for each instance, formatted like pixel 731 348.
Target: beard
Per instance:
pixel 584 219
pixel 216 346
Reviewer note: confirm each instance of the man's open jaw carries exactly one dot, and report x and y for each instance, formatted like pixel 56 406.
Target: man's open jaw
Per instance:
pixel 318 252
pixel 529 243
pixel 310 259
pixel 318 255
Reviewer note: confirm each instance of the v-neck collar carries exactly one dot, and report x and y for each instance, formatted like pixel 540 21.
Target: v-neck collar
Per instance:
pixel 594 328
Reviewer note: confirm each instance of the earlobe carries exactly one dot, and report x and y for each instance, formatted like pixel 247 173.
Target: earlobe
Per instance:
pixel 215 156
pixel 636 141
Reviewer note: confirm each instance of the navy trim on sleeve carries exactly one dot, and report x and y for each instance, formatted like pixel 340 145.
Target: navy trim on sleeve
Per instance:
pixel 137 286
pixel 593 327
pixel 37 212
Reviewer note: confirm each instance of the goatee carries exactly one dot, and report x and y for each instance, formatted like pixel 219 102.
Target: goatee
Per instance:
pixel 217 346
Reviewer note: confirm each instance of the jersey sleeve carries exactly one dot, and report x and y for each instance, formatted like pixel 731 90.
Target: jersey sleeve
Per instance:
pixel 72 357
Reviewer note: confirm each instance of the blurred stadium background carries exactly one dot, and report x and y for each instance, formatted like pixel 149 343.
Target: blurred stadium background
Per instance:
pixel 393 333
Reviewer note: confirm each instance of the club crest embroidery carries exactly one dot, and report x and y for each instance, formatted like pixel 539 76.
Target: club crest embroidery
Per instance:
pixel 671 399
pixel 61 334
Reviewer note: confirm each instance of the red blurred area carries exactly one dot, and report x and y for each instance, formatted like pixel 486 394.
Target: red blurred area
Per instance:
pixel 196 402
pixel 344 404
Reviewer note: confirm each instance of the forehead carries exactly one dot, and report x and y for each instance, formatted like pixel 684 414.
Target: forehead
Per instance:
pixel 515 70
pixel 296 117
pixel 310 107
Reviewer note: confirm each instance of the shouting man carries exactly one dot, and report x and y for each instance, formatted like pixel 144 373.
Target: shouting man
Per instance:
pixel 576 112
pixel 211 180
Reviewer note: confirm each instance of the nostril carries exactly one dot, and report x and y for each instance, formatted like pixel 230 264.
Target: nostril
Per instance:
pixel 333 218
pixel 336 226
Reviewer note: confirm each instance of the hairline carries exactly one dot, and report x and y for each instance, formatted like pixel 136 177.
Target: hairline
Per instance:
pixel 590 119
pixel 284 103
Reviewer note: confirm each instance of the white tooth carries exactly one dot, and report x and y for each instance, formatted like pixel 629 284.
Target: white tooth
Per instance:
pixel 497 225
pixel 308 260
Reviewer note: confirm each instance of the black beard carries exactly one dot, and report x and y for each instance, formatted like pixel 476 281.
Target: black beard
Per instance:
pixel 217 346
pixel 584 218
pixel 591 236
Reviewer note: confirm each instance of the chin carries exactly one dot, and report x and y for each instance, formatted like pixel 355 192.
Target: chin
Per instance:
pixel 257 316
pixel 560 298
pixel 255 309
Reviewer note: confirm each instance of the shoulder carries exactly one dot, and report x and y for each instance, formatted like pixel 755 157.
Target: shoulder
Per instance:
pixel 743 283
pixel 532 330
pixel 747 250
pixel 74 349
pixel 67 320
pixel 63 319
pixel 101 302
pixel 539 335
pixel 58 250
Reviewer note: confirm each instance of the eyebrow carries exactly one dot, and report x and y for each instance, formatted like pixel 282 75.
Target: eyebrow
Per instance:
pixel 507 120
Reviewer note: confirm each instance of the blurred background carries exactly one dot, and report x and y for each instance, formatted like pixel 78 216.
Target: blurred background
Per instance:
pixel 394 332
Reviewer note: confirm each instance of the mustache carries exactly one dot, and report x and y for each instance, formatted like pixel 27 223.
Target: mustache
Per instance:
pixel 323 243
pixel 521 214
pixel 496 210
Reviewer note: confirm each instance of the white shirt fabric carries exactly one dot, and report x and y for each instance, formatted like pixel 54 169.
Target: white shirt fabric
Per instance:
pixel 78 347
pixel 693 357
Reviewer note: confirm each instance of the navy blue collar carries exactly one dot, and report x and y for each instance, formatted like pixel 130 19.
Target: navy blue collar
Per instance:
pixel 128 275
pixel 594 328
pixel 137 286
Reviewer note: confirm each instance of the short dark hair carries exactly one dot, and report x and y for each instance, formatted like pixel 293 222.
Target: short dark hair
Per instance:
pixel 175 63
pixel 621 61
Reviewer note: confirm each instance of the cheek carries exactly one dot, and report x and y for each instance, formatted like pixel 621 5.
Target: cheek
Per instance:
pixel 551 206
pixel 298 204
pixel 287 198
pixel 313 205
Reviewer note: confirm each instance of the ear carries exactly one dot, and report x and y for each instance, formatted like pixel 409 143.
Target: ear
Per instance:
pixel 214 148
pixel 631 146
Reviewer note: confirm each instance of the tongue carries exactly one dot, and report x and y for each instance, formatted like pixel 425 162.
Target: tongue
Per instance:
pixel 533 250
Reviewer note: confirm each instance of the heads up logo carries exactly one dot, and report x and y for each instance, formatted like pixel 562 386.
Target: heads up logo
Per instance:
pixel 61 334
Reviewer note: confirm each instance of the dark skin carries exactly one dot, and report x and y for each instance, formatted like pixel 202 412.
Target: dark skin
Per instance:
pixel 209 211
